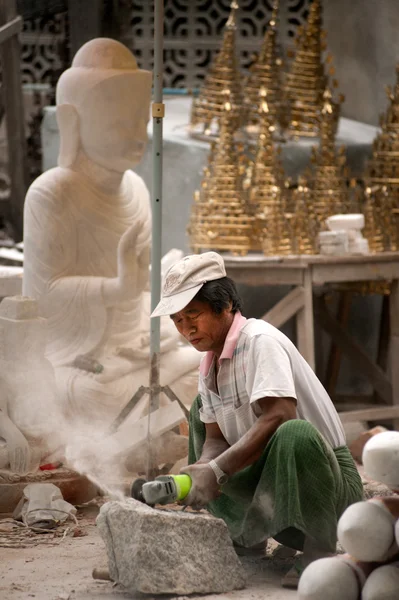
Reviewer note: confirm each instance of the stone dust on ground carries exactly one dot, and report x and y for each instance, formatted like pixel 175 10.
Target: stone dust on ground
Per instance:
pixel 59 567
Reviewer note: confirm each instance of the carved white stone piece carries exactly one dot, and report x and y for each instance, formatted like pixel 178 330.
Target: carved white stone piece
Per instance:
pixel 382 583
pixel 366 531
pixel 329 579
pixel 381 458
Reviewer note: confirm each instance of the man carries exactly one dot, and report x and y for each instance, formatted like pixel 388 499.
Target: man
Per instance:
pixel 267 450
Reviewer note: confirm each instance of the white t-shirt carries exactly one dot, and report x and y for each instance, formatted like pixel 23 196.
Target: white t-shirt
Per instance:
pixel 259 361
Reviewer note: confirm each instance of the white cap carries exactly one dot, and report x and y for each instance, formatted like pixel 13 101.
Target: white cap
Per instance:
pixel 185 278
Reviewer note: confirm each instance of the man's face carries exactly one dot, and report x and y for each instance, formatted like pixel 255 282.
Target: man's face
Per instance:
pixel 204 329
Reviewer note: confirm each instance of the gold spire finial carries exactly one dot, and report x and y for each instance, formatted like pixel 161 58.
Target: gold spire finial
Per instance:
pixel 231 21
pixel 273 18
pixel 265 72
pixel 223 74
pixel 308 75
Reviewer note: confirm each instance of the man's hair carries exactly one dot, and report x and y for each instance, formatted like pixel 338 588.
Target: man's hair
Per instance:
pixel 219 293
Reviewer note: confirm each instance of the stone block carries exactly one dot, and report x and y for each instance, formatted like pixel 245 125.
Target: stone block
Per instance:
pixel 19 308
pixel 157 551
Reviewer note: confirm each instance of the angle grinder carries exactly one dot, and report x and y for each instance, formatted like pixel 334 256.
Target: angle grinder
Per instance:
pixel 165 489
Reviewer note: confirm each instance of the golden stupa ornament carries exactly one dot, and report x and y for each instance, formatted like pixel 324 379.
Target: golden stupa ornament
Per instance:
pixel 223 74
pixel 382 180
pixel 307 78
pixel 265 187
pixel 220 219
pixel 328 179
pixel 265 72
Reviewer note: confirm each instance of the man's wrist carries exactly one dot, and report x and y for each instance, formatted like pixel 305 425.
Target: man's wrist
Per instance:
pixel 221 476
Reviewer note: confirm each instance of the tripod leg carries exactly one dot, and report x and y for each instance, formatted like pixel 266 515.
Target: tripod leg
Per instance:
pixel 172 396
pixel 125 412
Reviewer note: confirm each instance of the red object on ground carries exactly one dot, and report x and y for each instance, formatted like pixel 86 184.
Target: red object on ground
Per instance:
pixel 50 466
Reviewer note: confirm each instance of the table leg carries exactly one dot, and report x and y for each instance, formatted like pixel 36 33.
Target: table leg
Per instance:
pixel 334 359
pixel 394 344
pixel 304 322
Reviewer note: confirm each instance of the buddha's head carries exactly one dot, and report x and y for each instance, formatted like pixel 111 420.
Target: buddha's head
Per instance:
pixel 103 106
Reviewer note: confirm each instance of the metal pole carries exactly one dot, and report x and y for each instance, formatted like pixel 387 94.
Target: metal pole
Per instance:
pixel 158 111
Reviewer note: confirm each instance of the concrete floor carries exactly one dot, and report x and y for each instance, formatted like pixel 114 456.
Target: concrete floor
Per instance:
pixel 61 568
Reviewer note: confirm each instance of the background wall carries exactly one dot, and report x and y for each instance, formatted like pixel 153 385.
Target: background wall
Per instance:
pixel 363 37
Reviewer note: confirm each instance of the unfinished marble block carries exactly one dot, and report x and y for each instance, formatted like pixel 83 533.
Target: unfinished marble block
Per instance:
pixel 168 552
pixel 381 458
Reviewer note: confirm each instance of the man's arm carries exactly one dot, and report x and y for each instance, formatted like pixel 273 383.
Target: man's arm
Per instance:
pixel 215 443
pixel 275 412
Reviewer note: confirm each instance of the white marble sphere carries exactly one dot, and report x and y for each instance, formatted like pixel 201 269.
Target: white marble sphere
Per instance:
pixel 382 583
pixel 366 531
pixel 329 579
pixel 381 458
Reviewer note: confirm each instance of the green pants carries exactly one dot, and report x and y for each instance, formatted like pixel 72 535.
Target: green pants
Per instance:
pixel 298 487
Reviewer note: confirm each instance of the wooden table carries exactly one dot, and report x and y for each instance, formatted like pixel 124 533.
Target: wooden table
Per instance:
pixel 310 273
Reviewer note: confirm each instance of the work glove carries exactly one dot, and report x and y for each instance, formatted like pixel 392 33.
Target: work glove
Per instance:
pixel 204 487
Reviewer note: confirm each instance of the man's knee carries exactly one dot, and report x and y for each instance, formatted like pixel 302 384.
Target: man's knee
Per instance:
pixel 297 428
pixel 297 435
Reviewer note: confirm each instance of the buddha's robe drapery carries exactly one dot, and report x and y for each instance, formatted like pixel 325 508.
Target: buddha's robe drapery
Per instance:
pixel 72 232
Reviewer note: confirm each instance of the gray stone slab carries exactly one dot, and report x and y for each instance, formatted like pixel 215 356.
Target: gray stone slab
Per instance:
pixel 168 552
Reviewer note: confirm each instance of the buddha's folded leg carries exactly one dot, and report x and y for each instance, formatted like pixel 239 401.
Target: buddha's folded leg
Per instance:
pixel 297 489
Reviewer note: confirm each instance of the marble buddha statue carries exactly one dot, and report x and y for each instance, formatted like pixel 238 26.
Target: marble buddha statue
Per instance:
pixel 87 237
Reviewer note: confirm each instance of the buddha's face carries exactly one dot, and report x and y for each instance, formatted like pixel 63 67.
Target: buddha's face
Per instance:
pixel 113 121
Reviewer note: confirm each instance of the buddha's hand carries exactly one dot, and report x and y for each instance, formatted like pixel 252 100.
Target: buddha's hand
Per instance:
pixel 19 453
pixel 133 261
